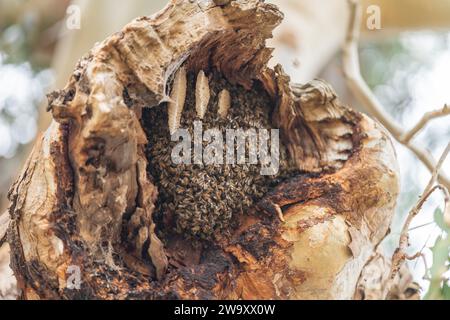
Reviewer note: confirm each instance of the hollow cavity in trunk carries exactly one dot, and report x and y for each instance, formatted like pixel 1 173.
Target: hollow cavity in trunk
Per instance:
pixel 201 200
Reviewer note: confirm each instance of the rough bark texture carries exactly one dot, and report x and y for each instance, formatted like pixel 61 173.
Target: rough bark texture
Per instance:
pixel 84 197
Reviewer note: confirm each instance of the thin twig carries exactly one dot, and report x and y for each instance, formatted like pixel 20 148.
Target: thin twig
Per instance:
pixel 427 117
pixel 424 259
pixel 399 255
pixel 421 226
pixel 362 92
pixel 423 248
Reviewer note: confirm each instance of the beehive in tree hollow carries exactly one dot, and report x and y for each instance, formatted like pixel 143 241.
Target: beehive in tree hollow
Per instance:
pixel 99 192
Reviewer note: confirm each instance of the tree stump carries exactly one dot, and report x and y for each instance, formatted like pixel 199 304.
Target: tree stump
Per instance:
pixel 90 195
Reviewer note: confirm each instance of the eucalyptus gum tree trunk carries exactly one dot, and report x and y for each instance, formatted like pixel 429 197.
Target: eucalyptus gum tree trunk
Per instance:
pixel 86 198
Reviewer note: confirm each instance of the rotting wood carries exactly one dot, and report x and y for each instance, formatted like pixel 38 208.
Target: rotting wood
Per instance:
pixel 84 197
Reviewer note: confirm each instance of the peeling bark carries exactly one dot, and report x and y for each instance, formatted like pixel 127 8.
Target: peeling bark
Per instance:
pixel 84 197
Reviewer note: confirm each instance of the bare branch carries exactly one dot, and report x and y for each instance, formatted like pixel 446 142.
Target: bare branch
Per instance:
pixel 427 117
pixel 400 255
pixel 362 92
pixel 424 259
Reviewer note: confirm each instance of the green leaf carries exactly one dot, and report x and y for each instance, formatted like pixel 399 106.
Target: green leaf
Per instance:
pixel 440 252
pixel 446 291
pixel 439 220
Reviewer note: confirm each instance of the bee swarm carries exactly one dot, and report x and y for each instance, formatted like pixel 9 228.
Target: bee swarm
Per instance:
pixel 205 199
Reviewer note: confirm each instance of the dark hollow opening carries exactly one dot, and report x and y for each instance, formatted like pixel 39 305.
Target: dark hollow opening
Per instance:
pixel 203 201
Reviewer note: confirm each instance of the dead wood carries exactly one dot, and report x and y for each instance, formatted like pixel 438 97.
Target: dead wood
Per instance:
pixel 85 198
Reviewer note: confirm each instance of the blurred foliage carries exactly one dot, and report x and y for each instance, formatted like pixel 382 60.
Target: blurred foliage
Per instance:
pixel 410 73
pixel 29 30
pixel 28 33
pixel 392 67
pixel 439 271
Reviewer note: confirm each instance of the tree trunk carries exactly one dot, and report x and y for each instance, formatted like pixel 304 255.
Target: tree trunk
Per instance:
pixel 88 198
